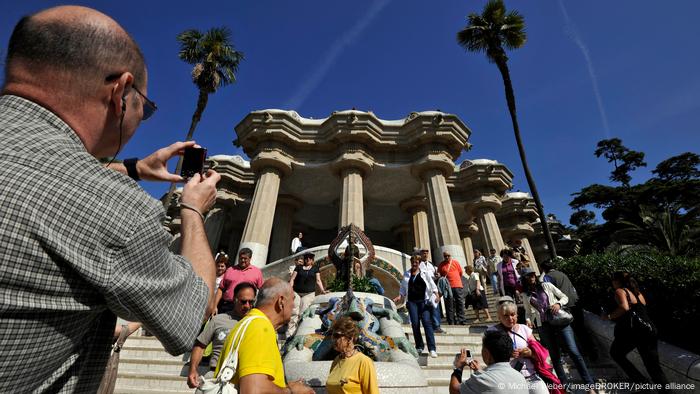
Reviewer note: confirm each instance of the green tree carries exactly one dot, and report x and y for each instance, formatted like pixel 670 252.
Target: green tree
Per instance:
pixel 679 168
pixel 492 32
pixel 215 62
pixel 625 160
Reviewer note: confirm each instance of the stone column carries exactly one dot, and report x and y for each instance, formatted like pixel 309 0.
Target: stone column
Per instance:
pixel 351 204
pixel 467 231
pixel 483 209
pixel 282 227
pixel 213 225
pixel 490 232
pixel 403 230
pixel 418 208
pixel 258 225
pixel 442 216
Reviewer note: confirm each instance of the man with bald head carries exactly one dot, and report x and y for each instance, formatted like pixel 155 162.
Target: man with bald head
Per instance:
pixel 260 368
pixel 83 242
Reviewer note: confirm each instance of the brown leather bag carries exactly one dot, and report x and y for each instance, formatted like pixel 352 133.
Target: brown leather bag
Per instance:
pixel 109 379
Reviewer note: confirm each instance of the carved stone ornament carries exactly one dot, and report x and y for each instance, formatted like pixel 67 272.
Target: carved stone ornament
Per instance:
pixel 351 246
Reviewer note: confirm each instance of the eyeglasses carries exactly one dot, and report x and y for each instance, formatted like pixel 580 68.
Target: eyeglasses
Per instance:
pixel 149 107
pixel 248 302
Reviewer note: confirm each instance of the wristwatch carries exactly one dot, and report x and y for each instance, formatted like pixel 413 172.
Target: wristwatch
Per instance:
pixel 130 165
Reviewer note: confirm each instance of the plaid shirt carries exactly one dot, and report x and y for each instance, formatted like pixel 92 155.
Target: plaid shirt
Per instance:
pixel 79 244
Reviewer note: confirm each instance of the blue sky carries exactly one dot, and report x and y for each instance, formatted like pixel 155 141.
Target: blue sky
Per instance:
pixel 590 70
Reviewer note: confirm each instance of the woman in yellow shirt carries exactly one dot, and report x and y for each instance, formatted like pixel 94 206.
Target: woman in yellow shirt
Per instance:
pixel 351 372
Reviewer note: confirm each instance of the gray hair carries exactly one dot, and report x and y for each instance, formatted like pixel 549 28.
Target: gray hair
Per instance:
pixel 507 306
pixel 271 290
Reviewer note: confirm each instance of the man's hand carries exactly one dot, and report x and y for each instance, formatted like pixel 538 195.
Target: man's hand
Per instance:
pixel 200 192
pixel 461 359
pixel 300 387
pixel 193 379
pixel 474 365
pixel 154 167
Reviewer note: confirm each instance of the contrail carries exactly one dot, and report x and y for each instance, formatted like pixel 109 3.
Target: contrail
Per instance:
pixel 573 33
pixel 329 58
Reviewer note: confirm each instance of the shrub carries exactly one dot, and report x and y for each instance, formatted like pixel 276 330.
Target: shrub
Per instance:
pixel 671 285
pixel 358 284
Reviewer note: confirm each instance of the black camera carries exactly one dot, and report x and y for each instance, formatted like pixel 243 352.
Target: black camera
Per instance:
pixel 193 162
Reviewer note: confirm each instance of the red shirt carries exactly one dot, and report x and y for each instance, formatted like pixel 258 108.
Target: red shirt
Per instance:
pixel 452 271
pixel 234 275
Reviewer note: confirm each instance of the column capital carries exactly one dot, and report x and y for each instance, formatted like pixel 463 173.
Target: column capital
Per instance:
pixel 414 204
pixel 272 159
pixel 518 230
pixel 357 159
pixel 468 229
pixel 483 203
pixel 434 162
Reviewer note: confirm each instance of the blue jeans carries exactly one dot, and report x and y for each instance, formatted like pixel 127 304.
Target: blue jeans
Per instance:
pixel 549 334
pixel 420 312
pixel 494 283
pixel 436 314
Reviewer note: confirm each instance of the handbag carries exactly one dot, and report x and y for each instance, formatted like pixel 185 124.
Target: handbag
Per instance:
pixel 559 319
pixel 221 384
pixel 640 322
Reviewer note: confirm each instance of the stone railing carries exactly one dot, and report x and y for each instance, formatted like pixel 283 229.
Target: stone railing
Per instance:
pixel 681 366
pixel 389 266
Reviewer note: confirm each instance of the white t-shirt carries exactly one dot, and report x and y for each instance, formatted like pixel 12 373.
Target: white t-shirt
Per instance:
pixel 296 243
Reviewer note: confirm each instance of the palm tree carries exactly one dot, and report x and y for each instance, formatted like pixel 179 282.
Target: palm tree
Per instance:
pixel 491 32
pixel 215 65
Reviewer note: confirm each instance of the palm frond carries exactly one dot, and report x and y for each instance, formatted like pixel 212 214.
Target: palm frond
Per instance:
pixel 190 49
pixel 492 31
pixel 214 56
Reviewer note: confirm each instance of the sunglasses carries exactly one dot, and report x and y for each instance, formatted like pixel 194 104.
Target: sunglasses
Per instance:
pixel 249 302
pixel 149 107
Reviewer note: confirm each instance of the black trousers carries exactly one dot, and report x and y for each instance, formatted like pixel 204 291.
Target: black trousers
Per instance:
pixel 625 341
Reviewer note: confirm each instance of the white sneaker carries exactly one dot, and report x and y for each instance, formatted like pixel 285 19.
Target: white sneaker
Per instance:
pixel 433 354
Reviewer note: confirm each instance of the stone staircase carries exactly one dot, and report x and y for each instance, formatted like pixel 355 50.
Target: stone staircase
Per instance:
pixel 145 367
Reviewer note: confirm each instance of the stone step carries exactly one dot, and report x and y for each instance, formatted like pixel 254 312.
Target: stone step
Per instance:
pixel 172 367
pixel 448 339
pixel 134 390
pixel 456 329
pixel 171 383
pixel 155 352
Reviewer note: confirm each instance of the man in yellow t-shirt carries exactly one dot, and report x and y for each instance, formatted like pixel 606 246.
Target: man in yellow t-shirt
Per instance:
pixel 260 368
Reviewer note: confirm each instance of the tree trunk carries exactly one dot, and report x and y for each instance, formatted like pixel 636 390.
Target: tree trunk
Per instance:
pixel 510 98
pixel 201 105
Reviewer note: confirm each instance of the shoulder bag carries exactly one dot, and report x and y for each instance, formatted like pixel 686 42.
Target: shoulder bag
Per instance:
pixel 640 322
pixel 221 384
